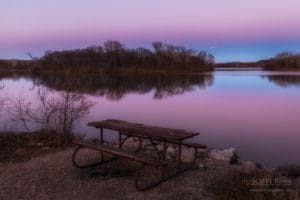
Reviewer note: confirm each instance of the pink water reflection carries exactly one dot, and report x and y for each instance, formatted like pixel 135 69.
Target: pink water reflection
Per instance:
pixel 241 109
pixel 263 124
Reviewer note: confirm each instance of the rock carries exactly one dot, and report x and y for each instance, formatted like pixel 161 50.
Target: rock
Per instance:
pixel 45 148
pixel 201 165
pixel 297 184
pixel 202 153
pixel 170 153
pixel 131 144
pixel 228 155
pixel 160 147
pixel 146 144
pixel 289 170
pixel 248 166
pixel 187 155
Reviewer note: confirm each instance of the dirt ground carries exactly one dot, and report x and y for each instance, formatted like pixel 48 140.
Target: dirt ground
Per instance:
pixel 53 176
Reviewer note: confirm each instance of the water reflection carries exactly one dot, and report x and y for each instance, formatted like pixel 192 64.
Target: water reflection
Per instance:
pixel 2 96
pixel 253 111
pixel 115 87
pixel 284 80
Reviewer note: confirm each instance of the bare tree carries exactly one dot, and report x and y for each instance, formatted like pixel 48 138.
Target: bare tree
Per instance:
pixel 170 52
pixel 158 47
pixel 71 107
pixel 20 113
pixel 210 59
pixel 284 60
pixel 114 53
pixel 54 111
pixel 113 50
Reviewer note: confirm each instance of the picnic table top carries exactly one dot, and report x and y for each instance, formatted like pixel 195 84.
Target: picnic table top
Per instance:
pixel 144 130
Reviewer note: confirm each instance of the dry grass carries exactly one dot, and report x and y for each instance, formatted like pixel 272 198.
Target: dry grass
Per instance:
pixel 22 146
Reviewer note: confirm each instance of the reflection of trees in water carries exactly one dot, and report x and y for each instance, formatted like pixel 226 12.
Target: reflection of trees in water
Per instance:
pixel 115 87
pixel 284 80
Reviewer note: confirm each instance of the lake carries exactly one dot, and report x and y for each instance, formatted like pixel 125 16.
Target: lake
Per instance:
pixel 257 112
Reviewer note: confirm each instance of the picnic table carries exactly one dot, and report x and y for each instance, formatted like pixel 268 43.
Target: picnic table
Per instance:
pixel 143 133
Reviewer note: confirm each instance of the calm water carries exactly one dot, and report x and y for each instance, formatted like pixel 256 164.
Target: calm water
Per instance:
pixel 256 112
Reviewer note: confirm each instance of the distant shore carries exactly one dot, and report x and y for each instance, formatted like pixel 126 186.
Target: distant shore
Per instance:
pixel 24 67
pixel 114 56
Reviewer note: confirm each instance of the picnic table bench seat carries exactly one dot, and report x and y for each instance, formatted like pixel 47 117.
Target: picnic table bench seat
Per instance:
pixel 193 144
pixel 122 153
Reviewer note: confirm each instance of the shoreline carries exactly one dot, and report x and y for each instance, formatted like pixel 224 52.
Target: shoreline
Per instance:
pixel 33 143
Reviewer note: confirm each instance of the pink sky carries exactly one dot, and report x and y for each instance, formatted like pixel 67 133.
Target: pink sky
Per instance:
pixel 29 25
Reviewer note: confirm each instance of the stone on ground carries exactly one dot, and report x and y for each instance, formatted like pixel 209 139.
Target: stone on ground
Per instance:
pixel 228 155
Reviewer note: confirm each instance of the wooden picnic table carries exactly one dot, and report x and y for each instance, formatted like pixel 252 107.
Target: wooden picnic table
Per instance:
pixel 142 132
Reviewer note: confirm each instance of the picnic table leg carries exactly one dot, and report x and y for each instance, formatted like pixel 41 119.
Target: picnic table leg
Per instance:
pixel 101 142
pixel 165 149
pixel 155 148
pixel 121 142
pixel 128 135
pixel 120 139
pixel 179 155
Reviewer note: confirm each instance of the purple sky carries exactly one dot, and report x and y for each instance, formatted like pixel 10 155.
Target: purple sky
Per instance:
pixel 230 29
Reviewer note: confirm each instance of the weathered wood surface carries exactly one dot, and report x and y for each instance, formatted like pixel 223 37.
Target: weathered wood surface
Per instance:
pixel 192 144
pixel 122 153
pixel 144 130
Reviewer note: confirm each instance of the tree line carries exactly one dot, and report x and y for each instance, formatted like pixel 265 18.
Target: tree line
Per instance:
pixel 114 55
pixel 284 60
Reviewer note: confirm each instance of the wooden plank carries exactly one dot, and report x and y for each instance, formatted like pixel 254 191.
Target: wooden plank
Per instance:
pixel 192 144
pixel 144 130
pixel 122 153
pixel 189 144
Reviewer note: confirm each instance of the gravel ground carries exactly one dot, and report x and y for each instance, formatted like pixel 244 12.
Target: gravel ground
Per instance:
pixel 52 176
